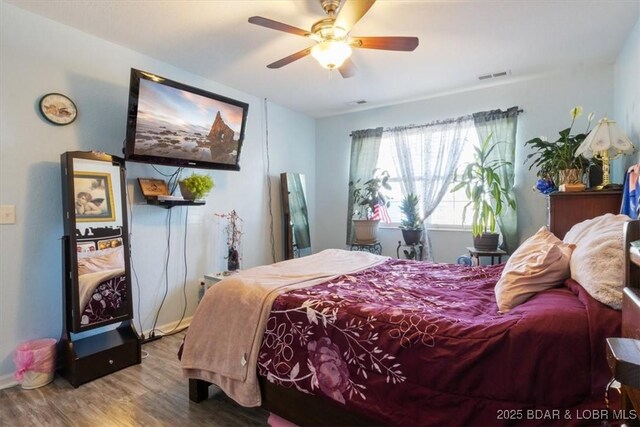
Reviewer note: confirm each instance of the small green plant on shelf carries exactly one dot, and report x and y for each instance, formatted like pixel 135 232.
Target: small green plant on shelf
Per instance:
pixel 197 186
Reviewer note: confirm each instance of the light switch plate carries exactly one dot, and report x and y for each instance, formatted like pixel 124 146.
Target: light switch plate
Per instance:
pixel 7 214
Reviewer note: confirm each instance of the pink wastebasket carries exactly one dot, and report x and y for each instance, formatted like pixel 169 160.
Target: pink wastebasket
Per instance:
pixel 35 363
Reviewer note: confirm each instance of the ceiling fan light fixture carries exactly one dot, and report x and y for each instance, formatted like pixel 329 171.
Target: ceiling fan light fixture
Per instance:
pixel 331 53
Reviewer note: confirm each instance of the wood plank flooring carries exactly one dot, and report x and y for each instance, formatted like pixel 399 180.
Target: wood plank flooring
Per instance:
pixel 150 394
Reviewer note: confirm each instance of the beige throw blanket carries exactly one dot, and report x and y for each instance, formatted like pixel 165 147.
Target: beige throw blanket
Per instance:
pixel 226 332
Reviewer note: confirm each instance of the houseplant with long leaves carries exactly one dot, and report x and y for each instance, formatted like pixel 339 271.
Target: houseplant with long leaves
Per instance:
pixel 487 194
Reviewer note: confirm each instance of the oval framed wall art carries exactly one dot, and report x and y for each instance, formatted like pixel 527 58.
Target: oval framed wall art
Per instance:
pixel 58 109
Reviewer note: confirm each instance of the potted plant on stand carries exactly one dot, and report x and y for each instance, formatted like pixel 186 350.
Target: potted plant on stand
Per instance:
pixel 556 161
pixel 487 195
pixel 196 186
pixel 366 198
pixel 411 224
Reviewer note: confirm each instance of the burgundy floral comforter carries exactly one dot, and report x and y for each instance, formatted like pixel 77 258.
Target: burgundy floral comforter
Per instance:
pixel 411 343
pixel 107 301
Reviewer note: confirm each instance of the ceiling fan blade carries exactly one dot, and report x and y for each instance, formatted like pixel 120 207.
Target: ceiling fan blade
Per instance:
pixel 406 44
pixel 351 12
pixel 289 59
pixel 275 25
pixel 347 69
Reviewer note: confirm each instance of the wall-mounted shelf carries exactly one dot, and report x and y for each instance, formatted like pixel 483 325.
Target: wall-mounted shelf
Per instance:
pixel 168 204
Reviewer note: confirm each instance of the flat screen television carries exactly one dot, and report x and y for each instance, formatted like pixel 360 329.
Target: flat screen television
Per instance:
pixel 170 123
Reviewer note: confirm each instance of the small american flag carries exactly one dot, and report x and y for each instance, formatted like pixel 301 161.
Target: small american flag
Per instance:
pixel 380 212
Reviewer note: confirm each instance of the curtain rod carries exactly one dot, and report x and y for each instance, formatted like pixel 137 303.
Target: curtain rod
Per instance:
pixel 445 121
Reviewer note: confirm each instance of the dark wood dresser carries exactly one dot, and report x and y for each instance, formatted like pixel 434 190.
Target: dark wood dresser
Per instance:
pixel 564 209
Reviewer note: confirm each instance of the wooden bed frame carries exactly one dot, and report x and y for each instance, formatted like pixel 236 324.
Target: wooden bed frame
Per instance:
pixel 631 316
pixel 309 410
pixel 292 405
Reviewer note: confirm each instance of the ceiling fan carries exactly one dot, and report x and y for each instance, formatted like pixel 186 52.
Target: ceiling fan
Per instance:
pixel 334 42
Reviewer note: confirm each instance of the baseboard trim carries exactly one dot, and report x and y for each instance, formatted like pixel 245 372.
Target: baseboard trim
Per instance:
pixel 7 381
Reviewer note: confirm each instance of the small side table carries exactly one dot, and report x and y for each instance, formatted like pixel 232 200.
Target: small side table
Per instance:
pixel 417 249
pixel 211 279
pixel 475 253
pixel 374 248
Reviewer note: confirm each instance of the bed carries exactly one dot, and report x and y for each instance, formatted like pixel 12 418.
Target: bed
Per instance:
pixel 399 342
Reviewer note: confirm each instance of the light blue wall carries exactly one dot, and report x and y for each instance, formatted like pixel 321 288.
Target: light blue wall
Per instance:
pixel 40 56
pixel 546 102
pixel 627 97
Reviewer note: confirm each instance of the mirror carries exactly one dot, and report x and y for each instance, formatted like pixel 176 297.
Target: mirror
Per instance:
pixel 97 282
pixel 297 240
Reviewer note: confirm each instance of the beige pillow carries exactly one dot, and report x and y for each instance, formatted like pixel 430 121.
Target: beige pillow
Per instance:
pixel 597 262
pixel 541 262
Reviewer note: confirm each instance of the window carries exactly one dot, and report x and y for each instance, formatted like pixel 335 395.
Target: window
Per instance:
pixel 448 214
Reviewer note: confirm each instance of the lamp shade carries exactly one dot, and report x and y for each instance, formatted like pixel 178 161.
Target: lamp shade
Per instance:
pixel 607 136
pixel 331 53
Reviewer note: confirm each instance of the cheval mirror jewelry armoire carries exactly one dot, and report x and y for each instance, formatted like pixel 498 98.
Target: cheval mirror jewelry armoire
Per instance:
pixel 96 271
pixel 297 240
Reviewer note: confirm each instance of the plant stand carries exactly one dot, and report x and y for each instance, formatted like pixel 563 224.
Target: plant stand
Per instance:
pixel 477 253
pixel 374 248
pixel 417 249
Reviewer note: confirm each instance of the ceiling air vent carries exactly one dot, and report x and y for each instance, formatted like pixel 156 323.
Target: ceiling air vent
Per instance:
pixel 494 75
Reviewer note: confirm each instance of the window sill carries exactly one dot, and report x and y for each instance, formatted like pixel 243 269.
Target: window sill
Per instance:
pixel 384 226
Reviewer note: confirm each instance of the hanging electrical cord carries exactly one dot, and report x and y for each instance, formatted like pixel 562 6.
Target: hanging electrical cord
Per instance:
pixel 272 236
pixel 184 282
pixel 135 275
pixel 174 177
pixel 166 274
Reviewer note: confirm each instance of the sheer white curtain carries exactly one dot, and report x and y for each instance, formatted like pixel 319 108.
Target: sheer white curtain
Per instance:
pixel 365 149
pixel 426 158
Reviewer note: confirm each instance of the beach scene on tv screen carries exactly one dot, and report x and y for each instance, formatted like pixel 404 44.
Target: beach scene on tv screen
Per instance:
pixel 174 123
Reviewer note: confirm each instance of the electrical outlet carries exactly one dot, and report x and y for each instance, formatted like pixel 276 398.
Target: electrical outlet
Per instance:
pixel 7 214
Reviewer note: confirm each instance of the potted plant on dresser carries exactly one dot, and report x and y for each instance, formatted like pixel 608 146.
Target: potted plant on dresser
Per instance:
pixel 368 197
pixel 487 195
pixel 556 161
pixel 411 224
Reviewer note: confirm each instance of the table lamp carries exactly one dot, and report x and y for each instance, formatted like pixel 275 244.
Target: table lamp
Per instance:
pixel 606 142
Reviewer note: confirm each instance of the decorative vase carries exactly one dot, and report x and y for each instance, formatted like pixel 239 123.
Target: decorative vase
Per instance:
pixel 486 242
pixel 570 176
pixel 411 237
pixel 366 231
pixel 233 260
pixel 186 193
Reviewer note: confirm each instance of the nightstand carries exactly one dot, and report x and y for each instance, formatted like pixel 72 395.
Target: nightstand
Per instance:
pixel 211 279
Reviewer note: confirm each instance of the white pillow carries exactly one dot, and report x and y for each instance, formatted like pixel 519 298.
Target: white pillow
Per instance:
pixel 540 263
pixel 597 262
